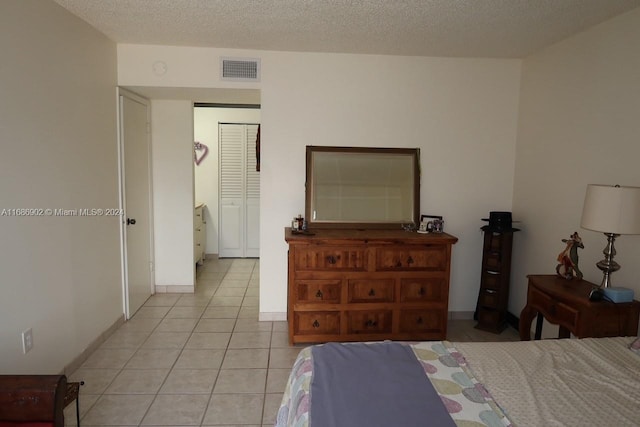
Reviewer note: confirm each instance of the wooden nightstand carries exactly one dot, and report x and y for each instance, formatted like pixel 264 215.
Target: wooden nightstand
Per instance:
pixel 566 303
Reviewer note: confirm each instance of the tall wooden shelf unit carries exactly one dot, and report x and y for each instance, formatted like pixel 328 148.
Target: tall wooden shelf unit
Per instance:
pixel 493 298
pixel 366 285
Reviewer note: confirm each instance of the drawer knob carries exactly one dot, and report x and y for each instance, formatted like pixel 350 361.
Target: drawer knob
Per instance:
pixel 409 260
pixel 371 323
pixel 319 294
pixel 372 293
pixel 421 292
pixel 316 324
pixel 419 320
pixel 331 259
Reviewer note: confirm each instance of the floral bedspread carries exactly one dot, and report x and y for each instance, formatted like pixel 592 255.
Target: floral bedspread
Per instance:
pixel 469 404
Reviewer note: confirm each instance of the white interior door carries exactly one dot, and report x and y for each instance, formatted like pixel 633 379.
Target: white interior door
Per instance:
pixel 239 192
pixel 136 199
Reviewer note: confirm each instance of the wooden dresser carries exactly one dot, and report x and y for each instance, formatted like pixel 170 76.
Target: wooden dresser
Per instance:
pixel 368 285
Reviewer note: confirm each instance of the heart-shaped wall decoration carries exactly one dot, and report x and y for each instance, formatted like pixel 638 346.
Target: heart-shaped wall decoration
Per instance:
pixel 200 151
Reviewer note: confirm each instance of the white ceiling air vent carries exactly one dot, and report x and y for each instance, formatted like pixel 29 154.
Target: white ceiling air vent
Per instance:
pixel 240 69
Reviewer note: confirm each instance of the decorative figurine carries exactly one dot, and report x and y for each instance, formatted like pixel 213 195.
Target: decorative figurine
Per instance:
pixel 568 258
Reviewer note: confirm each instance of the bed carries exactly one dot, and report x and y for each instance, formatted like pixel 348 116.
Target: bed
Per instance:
pixel 569 382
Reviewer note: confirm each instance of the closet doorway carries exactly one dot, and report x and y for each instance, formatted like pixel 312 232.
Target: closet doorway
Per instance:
pixel 239 202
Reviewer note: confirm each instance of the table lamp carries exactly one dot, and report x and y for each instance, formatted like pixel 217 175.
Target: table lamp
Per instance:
pixel 612 210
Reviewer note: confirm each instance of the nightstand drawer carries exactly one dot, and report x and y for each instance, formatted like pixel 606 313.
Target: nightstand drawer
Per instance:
pixel 554 311
pixel 489 298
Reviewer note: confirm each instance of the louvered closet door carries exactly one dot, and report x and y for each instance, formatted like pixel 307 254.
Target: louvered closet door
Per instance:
pixel 239 192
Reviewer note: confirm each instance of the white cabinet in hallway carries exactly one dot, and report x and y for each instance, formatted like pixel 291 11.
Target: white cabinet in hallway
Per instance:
pixel 199 234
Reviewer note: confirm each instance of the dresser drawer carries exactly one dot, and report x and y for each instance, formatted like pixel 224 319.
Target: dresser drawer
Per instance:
pixel 370 290
pixel 426 258
pixel 318 291
pixel 329 258
pixel 431 289
pixel 492 260
pixel 369 322
pixel 554 311
pixel 422 321
pixel 316 322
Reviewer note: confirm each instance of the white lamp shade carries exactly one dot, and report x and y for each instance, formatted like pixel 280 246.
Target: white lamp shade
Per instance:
pixel 610 209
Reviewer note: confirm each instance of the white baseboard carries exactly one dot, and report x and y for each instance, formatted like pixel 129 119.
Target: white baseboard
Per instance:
pixel 175 289
pixel 272 317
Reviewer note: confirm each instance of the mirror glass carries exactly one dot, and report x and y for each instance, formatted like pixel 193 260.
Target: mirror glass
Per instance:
pixel 362 187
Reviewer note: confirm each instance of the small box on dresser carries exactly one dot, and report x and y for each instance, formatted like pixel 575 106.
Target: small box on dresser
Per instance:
pixel 367 285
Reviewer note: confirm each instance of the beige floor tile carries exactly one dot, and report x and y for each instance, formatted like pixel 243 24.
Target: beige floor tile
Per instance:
pixel 185 312
pixel 271 405
pixel 246 358
pixel 151 312
pixel 118 410
pixel 283 357
pixel 251 325
pixel 250 301
pixel 218 301
pixel 200 359
pixel 233 283
pixel 146 358
pixel 192 300
pixel 280 327
pixel 137 381
pixel 241 381
pixel 248 313
pixel 176 410
pixel 96 381
pixel 162 300
pixel 277 380
pixel 124 338
pixel 252 291
pixel 250 340
pixel 230 292
pixel 190 381
pixel 208 340
pixel 146 324
pixel 279 339
pixel 176 325
pixel 215 325
pixel 109 358
pixel 221 313
pixel 234 409
pixel 166 340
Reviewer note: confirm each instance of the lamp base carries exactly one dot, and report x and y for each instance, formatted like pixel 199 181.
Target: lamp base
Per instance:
pixel 608 265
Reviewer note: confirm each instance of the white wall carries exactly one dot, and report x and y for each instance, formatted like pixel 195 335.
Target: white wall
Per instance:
pixel 579 124
pixel 206 173
pixel 461 112
pixel 173 194
pixel 60 275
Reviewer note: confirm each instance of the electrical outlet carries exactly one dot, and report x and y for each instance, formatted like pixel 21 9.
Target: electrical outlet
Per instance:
pixel 27 340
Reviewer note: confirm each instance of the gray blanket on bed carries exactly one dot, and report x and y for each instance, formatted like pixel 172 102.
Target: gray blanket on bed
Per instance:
pixel 380 384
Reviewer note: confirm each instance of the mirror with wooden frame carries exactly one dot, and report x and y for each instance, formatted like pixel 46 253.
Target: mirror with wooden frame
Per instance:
pixel 355 187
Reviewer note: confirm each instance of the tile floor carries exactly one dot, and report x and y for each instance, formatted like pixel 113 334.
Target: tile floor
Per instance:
pixel 200 359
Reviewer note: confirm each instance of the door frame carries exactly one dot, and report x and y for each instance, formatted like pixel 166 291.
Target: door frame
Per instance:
pixel 121 92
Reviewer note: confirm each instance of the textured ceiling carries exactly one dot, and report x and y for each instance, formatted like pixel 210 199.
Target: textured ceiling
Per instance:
pixel 455 28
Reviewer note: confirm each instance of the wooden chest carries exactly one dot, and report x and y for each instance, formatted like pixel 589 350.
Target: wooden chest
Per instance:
pixel 368 285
